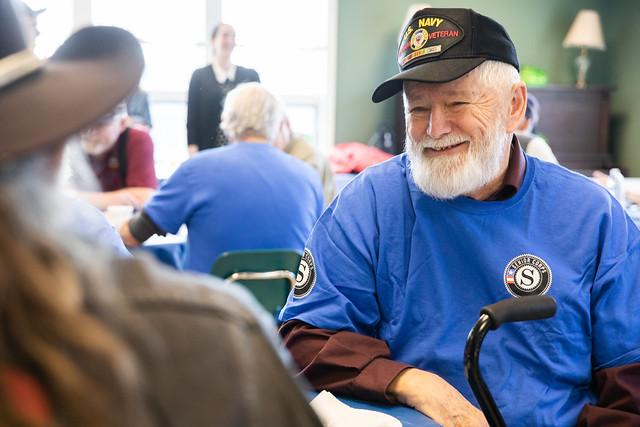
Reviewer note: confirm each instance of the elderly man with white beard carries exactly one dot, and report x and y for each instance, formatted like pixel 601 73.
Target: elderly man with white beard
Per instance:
pixel 397 268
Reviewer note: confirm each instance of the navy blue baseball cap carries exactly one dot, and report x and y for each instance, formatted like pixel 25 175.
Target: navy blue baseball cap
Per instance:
pixel 441 45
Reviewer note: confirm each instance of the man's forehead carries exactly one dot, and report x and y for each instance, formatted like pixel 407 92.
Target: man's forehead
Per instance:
pixel 459 87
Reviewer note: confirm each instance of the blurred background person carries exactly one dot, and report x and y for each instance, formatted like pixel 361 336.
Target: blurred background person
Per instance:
pixel 138 111
pixel 208 87
pixel 532 143
pixel 29 20
pixel 82 219
pixel 247 195
pixel 88 338
pixel 297 146
pixel 614 182
pixel 121 158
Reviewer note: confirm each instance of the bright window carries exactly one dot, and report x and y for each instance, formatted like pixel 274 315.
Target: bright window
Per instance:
pixel 54 24
pixel 171 37
pixel 286 41
pixel 172 42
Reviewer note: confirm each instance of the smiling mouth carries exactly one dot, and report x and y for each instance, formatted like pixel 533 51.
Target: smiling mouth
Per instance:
pixel 444 149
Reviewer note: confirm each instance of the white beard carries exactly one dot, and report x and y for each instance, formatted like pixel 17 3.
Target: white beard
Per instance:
pixel 95 148
pixel 450 176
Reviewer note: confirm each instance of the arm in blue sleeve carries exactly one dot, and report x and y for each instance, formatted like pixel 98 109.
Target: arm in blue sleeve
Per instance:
pixel 172 205
pixel 343 250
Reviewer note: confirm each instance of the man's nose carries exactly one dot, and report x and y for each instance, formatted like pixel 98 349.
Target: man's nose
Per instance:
pixel 438 123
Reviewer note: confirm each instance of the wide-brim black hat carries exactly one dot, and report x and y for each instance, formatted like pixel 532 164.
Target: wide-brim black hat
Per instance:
pixel 441 45
pixel 42 103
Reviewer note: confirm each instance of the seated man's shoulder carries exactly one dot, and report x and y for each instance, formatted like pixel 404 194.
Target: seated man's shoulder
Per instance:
pixel 224 155
pixel 301 149
pixel 564 188
pixel 148 286
pixel 300 164
pixel 389 173
pixel 561 177
pixel 382 186
pixel 396 165
pixel 90 225
pixel 198 342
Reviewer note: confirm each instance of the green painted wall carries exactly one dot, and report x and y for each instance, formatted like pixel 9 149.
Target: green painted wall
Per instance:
pixel 623 41
pixel 367 31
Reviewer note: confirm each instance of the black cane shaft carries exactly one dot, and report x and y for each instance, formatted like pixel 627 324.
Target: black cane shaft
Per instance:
pixel 472 372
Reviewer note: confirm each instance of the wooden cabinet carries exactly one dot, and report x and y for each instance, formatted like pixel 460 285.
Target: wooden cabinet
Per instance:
pixel 574 121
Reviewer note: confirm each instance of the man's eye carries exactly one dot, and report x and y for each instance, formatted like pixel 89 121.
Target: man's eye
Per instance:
pixel 458 103
pixel 419 111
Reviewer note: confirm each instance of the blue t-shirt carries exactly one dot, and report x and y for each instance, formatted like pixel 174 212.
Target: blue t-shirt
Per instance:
pixel 90 225
pixel 388 261
pixel 241 196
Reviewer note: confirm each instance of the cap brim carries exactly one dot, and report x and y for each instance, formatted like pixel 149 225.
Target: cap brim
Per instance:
pixel 69 93
pixel 441 71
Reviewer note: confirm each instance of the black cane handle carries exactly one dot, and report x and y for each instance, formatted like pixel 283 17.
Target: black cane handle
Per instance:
pixel 533 307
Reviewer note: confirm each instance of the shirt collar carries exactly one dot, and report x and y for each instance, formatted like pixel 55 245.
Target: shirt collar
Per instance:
pixel 224 75
pixel 514 175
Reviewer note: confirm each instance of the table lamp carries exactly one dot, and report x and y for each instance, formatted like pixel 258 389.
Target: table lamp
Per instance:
pixel 585 33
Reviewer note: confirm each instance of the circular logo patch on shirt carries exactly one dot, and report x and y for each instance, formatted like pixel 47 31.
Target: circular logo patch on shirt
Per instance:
pixel 306 278
pixel 527 275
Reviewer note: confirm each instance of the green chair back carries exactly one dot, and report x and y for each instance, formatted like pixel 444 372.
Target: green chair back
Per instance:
pixel 269 274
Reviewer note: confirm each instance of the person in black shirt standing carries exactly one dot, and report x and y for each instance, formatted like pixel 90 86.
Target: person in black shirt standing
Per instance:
pixel 208 87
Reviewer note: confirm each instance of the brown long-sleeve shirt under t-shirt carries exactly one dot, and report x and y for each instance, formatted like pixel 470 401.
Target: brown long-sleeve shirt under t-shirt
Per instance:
pixel 357 365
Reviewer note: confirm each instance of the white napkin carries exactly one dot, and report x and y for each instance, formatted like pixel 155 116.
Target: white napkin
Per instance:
pixel 334 413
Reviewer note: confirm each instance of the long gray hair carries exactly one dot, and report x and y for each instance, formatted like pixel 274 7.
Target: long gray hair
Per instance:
pixel 88 372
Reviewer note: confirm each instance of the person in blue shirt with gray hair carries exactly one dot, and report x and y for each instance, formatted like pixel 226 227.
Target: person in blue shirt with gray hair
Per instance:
pixel 246 195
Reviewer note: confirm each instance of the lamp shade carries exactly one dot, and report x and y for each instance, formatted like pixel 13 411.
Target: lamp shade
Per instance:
pixel 585 31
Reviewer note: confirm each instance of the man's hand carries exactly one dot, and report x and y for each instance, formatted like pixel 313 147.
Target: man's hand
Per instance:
pixel 436 398
pixel 600 177
pixel 127 237
pixel 131 196
pixel 633 197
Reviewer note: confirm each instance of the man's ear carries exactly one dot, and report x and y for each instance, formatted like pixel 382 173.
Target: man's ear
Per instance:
pixel 284 135
pixel 280 139
pixel 517 106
